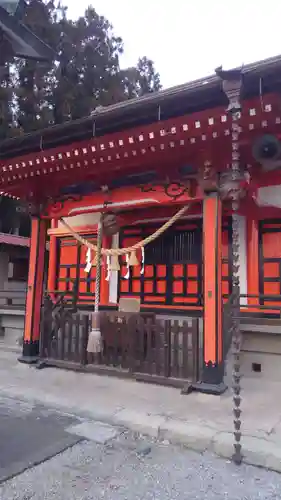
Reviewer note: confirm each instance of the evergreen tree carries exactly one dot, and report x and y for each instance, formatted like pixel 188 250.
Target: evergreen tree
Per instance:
pixel 6 90
pixel 33 78
pixel 86 73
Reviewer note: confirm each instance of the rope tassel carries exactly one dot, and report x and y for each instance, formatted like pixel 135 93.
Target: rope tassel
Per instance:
pixel 114 263
pixel 133 260
pixel 88 261
pixel 142 260
pixel 127 275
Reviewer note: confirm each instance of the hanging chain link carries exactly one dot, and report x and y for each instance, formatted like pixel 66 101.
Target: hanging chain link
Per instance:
pixel 235 309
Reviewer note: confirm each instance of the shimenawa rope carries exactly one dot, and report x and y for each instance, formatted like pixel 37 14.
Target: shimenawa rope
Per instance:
pixel 123 251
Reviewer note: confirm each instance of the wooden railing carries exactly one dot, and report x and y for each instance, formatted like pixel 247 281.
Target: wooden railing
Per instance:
pixel 12 299
pixel 66 297
pixel 260 305
pixel 258 314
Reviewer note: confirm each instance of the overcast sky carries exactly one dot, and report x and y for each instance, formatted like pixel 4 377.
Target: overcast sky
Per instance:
pixel 188 39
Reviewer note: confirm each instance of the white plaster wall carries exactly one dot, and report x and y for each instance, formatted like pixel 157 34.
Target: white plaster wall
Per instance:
pixel 82 220
pixel 269 196
pixel 113 280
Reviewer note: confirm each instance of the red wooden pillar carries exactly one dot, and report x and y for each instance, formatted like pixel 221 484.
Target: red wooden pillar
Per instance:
pixel 213 368
pixel 53 254
pixel 253 259
pixel 34 291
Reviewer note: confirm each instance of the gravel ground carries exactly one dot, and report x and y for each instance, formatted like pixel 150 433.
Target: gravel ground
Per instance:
pixel 138 469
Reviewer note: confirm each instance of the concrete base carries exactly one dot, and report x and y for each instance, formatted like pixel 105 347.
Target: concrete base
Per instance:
pixel 12 327
pixel 94 431
pixel 28 360
pixel 214 389
pixel 30 352
pixel 261 355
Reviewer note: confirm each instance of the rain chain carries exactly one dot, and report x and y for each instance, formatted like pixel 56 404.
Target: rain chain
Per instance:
pixel 235 309
pixel 231 84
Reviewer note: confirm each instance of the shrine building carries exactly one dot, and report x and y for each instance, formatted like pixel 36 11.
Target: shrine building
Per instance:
pixel 162 176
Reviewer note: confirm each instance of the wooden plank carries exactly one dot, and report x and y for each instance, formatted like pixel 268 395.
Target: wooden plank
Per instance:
pixel 185 366
pixel 195 349
pixel 159 347
pixel 61 338
pixel 68 340
pixel 167 348
pixel 54 340
pixel 13 294
pixel 159 380
pixel 175 348
pixel 84 322
pixel 78 346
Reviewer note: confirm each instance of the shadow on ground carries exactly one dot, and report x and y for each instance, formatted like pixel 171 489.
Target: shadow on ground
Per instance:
pixel 30 434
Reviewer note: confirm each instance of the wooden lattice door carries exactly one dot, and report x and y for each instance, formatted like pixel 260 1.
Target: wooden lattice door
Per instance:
pixel 270 261
pixel 71 274
pixel 173 267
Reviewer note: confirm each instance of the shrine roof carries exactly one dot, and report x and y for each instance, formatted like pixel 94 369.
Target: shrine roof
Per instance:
pixel 179 128
pixel 25 44
pixel 187 98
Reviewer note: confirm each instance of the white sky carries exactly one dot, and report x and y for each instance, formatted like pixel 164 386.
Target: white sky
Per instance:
pixel 188 39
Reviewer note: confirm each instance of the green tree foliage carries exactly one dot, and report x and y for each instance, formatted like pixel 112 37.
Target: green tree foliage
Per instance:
pixel 6 90
pixel 84 74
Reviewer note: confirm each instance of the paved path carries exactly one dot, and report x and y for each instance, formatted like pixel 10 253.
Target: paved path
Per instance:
pixel 29 434
pixel 199 421
pixel 131 468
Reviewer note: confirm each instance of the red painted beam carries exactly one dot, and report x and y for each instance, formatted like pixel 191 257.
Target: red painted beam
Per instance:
pixel 129 198
pixel 199 137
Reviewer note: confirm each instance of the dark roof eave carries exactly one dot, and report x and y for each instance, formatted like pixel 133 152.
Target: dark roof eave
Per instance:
pixel 203 86
pixel 19 34
pixel 183 90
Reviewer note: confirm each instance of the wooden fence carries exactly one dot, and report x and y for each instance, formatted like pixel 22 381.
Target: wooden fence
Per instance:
pixel 142 347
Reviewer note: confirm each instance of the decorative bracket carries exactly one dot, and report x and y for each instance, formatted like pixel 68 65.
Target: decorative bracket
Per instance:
pixel 59 201
pixel 172 189
pixel 231 85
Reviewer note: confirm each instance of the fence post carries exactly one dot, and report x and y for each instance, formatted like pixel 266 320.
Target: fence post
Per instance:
pixel 42 338
pixel 46 327
pixel 195 349
pixel 85 334
pixel 167 348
